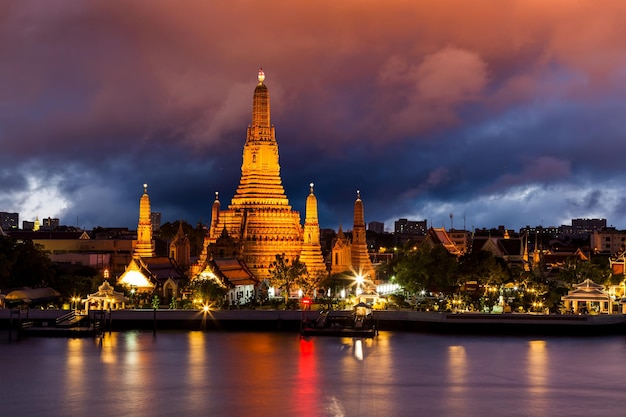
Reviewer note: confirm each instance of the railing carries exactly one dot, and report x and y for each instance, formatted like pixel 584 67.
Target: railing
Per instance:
pixel 69 318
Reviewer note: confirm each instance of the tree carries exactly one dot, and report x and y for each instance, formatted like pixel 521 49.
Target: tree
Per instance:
pixel 72 281
pixel 338 281
pixel 23 264
pixel 284 276
pixel 427 268
pixel 208 290
pixel 575 271
pixel 484 268
pixel 310 282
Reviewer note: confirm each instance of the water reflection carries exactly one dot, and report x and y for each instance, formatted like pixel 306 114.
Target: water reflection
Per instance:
pixel 456 379
pixel 536 370
pixel 306 385
pixel 197 358
pixel 240 374
pixel 108 345
pixel 74 373
pixel 367 378
pixel 132 373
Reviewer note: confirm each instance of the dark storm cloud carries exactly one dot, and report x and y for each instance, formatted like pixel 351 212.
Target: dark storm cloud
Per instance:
pixel 499 112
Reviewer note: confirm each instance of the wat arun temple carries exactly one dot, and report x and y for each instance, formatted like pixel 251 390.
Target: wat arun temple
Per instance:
pixel 259 222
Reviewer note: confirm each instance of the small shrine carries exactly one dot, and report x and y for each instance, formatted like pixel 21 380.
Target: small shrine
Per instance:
pixel 105 299
pixel 588 297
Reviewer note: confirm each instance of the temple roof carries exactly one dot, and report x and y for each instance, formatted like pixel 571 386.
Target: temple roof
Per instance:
pixel 587 290
pixel 441 237
pixel 106 292
pixel 499 246
pixel 235 271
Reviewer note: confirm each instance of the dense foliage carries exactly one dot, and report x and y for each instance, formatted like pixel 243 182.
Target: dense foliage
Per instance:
pixel 208 291
pixel 483 268
pixel 285 276
pixel 23 264
pixel 428 268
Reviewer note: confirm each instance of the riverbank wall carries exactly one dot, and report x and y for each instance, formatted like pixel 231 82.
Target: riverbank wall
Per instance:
pixel 291 321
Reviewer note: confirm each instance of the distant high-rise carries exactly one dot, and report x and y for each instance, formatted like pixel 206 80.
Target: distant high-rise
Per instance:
pixel 50 224
pixel 155 218
pixel 587 226
pixel 410 227
pixel 376 227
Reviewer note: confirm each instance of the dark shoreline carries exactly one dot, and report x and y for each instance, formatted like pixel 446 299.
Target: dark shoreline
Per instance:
pixel 290 321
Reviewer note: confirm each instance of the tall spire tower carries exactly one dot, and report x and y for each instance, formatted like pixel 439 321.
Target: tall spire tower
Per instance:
pixel 311 253
pixel 259 217
pixel 144 247
pixel 361 262
pixel 260 171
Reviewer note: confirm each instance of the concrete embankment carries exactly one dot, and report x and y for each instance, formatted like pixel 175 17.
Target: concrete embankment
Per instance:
pixel 290 320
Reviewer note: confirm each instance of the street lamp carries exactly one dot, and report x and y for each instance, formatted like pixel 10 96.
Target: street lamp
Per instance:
pixel 359 283
pixel 132 296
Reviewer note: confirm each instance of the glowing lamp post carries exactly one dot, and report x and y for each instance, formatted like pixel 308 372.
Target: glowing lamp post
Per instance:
pixel 359 283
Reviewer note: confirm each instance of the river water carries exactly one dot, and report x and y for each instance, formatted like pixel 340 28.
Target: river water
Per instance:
pixel 280 374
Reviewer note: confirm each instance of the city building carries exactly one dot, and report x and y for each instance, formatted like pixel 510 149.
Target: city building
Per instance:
pixel 49 224
pixel 155 219
pixel 608 241
pixel 587 226
pixel 377 227
pixel 410 227
pixel 79 248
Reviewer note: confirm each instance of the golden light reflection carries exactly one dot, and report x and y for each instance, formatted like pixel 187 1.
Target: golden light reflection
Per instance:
pixel 457 380
pixel 109 350
pixel 197 357
pixel 457 368
pixel 537 365
pixel 75 361
pixel 358 349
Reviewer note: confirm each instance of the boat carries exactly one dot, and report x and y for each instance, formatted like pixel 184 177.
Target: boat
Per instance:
pixel 344 323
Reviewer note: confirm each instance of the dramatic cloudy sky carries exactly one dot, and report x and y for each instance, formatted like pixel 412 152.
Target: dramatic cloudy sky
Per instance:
pixel 499 112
